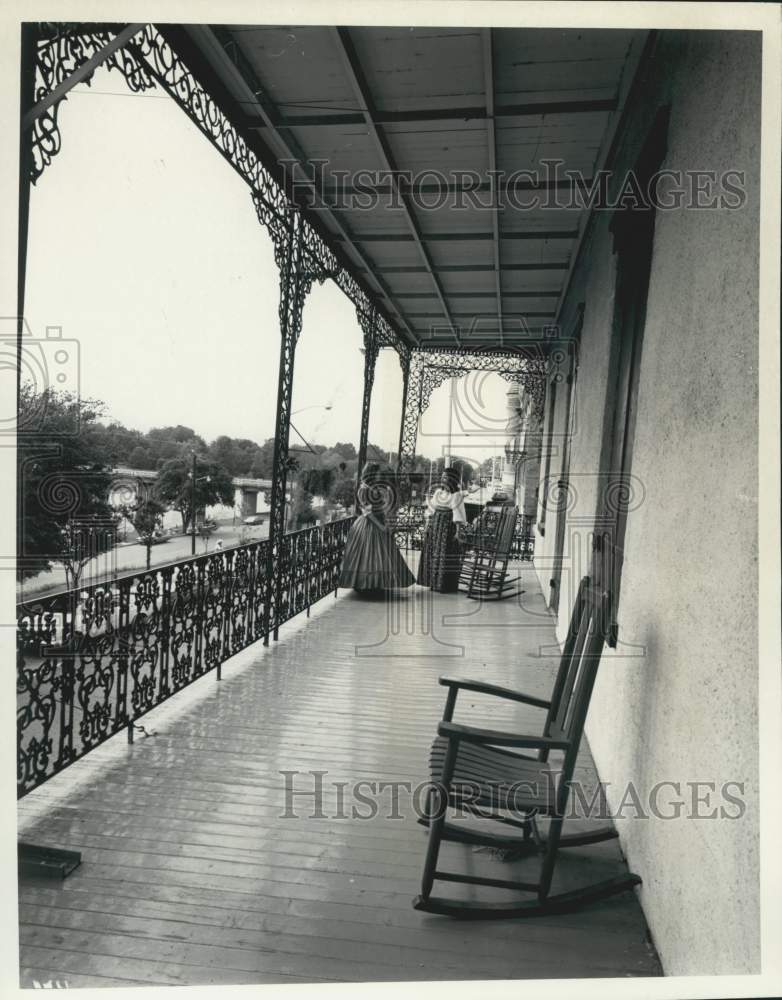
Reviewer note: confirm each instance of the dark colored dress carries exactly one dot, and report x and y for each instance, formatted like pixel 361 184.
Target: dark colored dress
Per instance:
pixel 372 560
pixel 441 552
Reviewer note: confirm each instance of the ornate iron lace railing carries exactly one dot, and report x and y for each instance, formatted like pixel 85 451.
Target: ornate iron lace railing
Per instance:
pixel 92 661
pixel 408 524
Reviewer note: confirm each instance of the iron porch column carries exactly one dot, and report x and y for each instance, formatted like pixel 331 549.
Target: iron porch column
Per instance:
pixel 412 406
pixel 27 97
pixel 371 349
pixel 295 283
pixel 404 361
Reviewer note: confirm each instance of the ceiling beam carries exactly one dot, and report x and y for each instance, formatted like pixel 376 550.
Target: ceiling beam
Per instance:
pixel 511 184
pixel 360 88
pixel 467 268
pixel 526 234
pixel 473 336
pixel 550 293
pixel 485 315
pixel 473 113
pixel 491 141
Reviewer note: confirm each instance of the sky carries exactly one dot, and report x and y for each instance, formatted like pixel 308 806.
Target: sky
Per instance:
pixel 145 250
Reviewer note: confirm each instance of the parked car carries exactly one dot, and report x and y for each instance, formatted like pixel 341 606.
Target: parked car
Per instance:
pixel 255 519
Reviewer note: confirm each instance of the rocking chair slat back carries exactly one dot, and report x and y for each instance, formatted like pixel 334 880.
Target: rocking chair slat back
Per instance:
pixel 570 656
pixel 507 529
pixel 470 755
pixel 484 570
pixel 578 667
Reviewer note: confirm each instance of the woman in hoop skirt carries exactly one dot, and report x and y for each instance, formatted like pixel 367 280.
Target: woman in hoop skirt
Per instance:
pixel 372 562
pixel 441 553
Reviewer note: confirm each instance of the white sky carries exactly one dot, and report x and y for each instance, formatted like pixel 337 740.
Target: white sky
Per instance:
pixel 145 248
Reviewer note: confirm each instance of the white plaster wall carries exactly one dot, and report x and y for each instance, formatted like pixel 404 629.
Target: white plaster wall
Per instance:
pixel 545 544
pixel 678 701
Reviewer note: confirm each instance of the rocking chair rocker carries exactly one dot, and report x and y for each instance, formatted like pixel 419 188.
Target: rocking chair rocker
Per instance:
pixel 484 573
pixel 474 769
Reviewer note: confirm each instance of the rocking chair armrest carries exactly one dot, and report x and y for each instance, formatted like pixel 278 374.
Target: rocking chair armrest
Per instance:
pixel 493 737
pixel 493 689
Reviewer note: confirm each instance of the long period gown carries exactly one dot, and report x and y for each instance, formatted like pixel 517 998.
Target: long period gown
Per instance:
pixel 441 553
pixel 372 560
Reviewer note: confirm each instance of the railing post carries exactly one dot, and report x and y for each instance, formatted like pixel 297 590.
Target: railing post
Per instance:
pixel 295 283
pixel 369 327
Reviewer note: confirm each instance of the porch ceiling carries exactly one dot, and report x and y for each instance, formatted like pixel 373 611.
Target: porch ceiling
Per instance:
pixel 446 100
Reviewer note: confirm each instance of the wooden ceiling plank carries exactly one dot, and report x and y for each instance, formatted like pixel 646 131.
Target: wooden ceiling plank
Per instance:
pixel 358 82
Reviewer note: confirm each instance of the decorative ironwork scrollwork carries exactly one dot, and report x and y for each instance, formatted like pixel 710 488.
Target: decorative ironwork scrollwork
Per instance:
pixel 93 661
pixel 147 61
pixel 369 326
pixel 61 51
pixel 428 369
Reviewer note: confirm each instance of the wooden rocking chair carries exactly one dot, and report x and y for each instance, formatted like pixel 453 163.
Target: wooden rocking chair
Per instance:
pixel 484 573
pixel 475 768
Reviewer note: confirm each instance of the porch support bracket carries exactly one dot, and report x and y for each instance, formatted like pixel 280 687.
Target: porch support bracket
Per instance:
pixel 429 369
pixel 142 54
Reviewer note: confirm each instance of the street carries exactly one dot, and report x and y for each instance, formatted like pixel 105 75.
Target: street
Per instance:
pixel 133 556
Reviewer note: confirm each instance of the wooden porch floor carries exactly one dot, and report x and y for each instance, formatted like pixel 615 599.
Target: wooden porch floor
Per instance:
pixel 191 874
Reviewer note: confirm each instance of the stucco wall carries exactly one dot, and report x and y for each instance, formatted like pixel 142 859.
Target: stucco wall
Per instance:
pixel 678 701
pixel 554 433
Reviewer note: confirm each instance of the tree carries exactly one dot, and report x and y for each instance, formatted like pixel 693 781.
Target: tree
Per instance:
pixel 174 486
pixel 317 482
pixel 179 433
pixel 84 539
pixel 140 458
pixel 63 480
pixel 263 461
pixel 222 451
pixel 344 492
pixel 330 459
pixel 377 454
pixel 146 516
pixel 490 465
pixel 345 449
pixel 165 443
pixel 244 451
pixel 466 469
pixel 301 513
